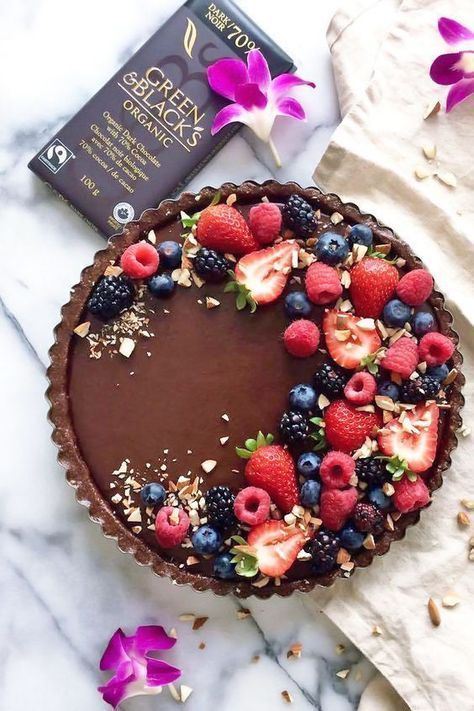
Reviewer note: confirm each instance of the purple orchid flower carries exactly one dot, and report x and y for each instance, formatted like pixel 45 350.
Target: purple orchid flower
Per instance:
pixel 136 672
pixel 257 98
pixel 455 69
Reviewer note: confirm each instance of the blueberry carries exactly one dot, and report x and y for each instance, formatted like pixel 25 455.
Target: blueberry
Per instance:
pixel 361 234
pixel 396 313
pixel 439 372
pixel 302 397
pixel 331 248
pixel 297 305
pixel 389 389
pixel 161 285
pixel 223 566
pixel 309 494
pixel 153 494
pixel 206 540
pixel 377 497
pixel 423 323
pixel 351 538
pixel 308 464
pixel 170 254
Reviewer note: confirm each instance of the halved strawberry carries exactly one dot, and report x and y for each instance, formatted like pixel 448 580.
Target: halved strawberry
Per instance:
pixel 264 273
pixel 347 342
pixel 414 439
pixel 276 546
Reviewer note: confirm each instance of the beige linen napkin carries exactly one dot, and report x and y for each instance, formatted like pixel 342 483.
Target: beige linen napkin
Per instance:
pixel 371 161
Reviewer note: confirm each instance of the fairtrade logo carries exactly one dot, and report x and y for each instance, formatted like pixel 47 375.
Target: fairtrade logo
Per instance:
pixel 190 37
pixel 123 212
pixel 56 155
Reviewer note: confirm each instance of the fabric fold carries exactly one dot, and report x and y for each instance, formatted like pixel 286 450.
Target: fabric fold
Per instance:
pixel 382 51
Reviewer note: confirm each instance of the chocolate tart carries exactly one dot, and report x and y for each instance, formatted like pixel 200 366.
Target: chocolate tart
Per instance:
pixel 169 398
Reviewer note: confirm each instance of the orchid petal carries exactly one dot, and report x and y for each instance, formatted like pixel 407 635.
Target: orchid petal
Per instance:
pixel 444 69
pixel 258 70
pixel 115 653
pixel 458 93
pixel 287 106
pixel 229 114
pixel 249 96
pixel 159 673
pixel 115 691
pixel 152 637
pixel 225 75
pixel 453 32
pixel 285 82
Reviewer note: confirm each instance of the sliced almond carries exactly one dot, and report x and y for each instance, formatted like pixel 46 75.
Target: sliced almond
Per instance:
pixel 376 631
pixel 346 279
pixel 366 324
pixel 151 236
pixel 113 270
pixel 187 617
pixel 343 556
pixel 225 417
pixel 192 560
pixel 336 218
pixel 366 408
pixel 340 649
pixel 323 401
pixel 446 177
pixel 243 613
pixel 83 329
pixel 286 696
pixel 432 109
pixel 385 402
pixel 388 489
pixel 434 613
pixel 429 151
pixel 208 465
pixel 369 542
pixel 127 346
pixel 468 504
pixel 223 440
pixel 343 673
pixel 185 692
pixel 463 519
pixel 199 622
pixel 174 693
pixel 450 600
pixel 231 199
pixel 422 173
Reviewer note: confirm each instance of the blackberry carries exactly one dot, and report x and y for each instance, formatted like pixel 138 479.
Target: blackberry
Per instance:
pixel 294 427
pixel 111 295
pixel 423 388
pixel 323 549
pixel 220 507
pixel 330 379
pixel 372 471
pixel 368 518
pixel 299 216
pixel 211 265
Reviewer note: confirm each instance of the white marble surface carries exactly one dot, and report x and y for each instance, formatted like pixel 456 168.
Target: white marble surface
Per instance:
pixel 63 587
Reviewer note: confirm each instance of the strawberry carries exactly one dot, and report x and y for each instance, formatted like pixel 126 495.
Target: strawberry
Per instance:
pixel 262 275
pixel 272 468
pixel 276 546
pixel 415 440
pixel 358 342
pixel 336 505
pixel 223 228
pixel 346 427
pixel 373 283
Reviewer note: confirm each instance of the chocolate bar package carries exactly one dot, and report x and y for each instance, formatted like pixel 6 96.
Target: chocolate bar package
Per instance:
pixel 148 130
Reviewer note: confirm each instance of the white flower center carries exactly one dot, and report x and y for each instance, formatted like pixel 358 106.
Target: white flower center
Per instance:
pixel 466 63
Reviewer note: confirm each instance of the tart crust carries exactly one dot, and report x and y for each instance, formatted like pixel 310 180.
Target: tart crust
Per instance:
pixel 69 456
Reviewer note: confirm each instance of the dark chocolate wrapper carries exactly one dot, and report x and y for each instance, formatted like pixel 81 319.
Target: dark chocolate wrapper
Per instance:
pixel 148 130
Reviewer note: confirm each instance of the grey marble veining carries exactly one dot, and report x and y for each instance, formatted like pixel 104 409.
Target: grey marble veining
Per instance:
pixel 64 588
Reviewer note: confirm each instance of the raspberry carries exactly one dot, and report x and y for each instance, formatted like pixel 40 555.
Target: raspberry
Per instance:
pixel 402 357
pixel 140 260
pixel 435 349
pixel 170 533
pixel 336 505
pixel 361 388
pixel 368 518
pixel 301 338
pixel 252 505
pixel 265 222
pixel 336 470
pixel 322 284
pixel 410 495
pixel 415 287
